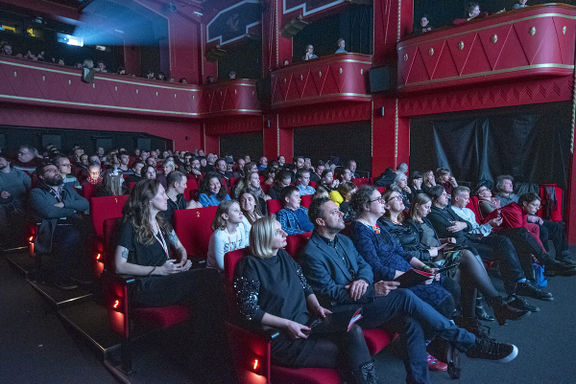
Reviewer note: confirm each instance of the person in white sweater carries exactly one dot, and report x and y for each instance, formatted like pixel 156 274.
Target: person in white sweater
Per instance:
pixel 230 233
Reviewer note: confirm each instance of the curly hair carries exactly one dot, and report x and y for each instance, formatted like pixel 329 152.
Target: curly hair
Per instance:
pixel 205 186
pixel 136 211
pixel 361 198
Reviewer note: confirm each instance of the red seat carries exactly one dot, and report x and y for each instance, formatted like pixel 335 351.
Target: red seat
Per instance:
pixel 381 189
pixel 193 227
pixel 361 181
pixel 473 205
pixel 247 346
pixel 105 207
pixel 121 311
pixel 265 187
pixel 191 188
pixel 88 190
pixel 295 243
pixel 550 210
pixel 273 206
pixel 306 201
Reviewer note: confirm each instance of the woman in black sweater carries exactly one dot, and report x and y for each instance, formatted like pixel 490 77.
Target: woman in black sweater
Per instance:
pixel 272 291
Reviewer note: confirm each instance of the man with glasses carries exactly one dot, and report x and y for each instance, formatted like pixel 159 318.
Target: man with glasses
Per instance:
pixel 65 167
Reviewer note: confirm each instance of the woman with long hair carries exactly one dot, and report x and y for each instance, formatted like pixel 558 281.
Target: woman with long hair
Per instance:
pixel 429 181
pixel 272 291
pixel 418 237
pixel 212 191
pixel 229 234
pixel 113 184
pixel 252 183
pixel 347 189
pixel 149 249
pixel 250 207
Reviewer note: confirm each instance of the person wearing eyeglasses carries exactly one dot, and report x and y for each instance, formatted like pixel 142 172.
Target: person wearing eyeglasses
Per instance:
pixel 65 167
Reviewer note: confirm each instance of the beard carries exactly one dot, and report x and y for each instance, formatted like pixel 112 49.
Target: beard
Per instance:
pixel 54 181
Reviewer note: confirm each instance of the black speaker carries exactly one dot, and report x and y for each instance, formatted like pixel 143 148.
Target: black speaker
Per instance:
pixel 380 79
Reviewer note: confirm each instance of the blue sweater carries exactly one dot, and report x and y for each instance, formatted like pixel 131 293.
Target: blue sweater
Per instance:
pixel 210 201
pixel 294 222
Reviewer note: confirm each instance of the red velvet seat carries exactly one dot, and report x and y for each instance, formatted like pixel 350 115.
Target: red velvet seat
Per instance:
pixel 191 188
pixel 295 243
pixel 306 201
pixel 381 189
pixel 193 227
pixel 360 181
pixel 88 190
pixel 473 205
pixel 554 212
pixel 312 184
pixel 273 206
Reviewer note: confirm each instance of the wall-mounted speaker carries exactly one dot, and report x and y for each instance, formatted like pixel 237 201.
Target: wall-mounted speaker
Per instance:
pixel 380 79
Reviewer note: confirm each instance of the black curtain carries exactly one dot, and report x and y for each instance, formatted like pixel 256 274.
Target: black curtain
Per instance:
pixel 530 143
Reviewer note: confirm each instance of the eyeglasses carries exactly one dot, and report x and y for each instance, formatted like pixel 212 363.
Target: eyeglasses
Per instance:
pixel 397 197
pixel 380 200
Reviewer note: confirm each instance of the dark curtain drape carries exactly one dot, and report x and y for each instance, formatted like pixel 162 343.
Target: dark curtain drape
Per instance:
pixel 530 143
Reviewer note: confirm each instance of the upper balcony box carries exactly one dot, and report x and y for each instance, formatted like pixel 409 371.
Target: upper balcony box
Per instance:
pixel 231 98
pixel 29 82
pixel 537 41
pixel 340 77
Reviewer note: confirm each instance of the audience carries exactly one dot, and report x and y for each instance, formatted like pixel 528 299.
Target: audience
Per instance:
pixel 309 55
pixel 249 206
pixel 341 43
pixel 302 182
pixel 293 217
pixel 14 187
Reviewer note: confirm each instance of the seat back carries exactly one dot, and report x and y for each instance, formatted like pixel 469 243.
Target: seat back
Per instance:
pixel 360 181
pixel 306 201
pixel 191 188
pixel 473 205
pixel 295 243
pixel 105 207
pixel 88 190
pixel 193 227
pixel 273 206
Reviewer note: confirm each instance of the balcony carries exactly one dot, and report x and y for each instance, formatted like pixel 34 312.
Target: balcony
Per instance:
pixel 340 77
pixel 533 42
pixel 231 98
pixel 34 83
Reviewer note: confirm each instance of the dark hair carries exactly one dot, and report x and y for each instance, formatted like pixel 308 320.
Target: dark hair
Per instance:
pixel 528 198
pixel 500 179
pixel 205 186
pixel 282 175
pixel 301 173
pixel 442 172
pixel 470 6
pixel 286 192
pixel 418 200
pixel 257 209
pixel 345 188
pixel 315 209
pixel 361 198
pixel 436 191
pixel 174 177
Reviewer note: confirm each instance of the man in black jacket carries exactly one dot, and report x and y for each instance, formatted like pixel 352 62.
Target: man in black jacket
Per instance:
pixel 62 231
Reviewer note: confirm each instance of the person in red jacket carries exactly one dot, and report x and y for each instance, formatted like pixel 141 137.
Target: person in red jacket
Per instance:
pixel 514 215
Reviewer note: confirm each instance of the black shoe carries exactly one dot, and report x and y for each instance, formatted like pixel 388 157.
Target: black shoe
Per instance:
pixel 66 285
pixel 503 311
pixel 473 326
pixel 491 350
pixel 528 289
pixel 556 268
pixel 444 351
pixel 481 314
pixel 522 304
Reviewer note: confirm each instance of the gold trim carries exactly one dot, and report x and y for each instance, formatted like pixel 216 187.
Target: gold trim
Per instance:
pixel 230 84
pixel 405 57
pixel 75 74
pixel 372 131
pixel 494 39
pixel 322 97
pixel 431 51
pixel 409 43
pixel 340 70
pixel 68 103
pixel 396 134
pixel 532 31
pixel 506 70
pixel 461 45
pixel 564 30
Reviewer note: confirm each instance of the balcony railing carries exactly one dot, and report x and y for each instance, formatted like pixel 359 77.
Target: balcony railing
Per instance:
pixel 36 83
pixel 340 77
pixel 532 42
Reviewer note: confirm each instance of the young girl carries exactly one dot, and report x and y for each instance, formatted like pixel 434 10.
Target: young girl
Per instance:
pixel 230 233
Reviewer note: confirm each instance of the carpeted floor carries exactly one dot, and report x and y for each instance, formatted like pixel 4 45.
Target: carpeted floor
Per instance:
pixel 37 347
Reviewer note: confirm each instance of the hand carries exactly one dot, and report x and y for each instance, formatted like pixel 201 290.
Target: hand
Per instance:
pixel 335 184
pixel 297 330
pixel 407 190
pixel 534 219
pixel 383 288
pixel 193 204
pixel 457 226
pixel 59 205
pixel 321 312
pixel 496 222
pixel 433 252
pixel 357 289
pixel 435 272
pixel 168 268
pixel 453 181
pixel 5 194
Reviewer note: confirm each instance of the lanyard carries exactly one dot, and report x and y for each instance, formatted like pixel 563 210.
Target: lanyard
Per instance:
pixel 162 242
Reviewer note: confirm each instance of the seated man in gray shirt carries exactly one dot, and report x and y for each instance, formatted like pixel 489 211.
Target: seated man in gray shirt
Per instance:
pixel 14 186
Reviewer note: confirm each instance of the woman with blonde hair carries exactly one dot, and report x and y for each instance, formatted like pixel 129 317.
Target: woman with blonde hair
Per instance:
pixel 230 233
pixel 250 207
pixel 272 291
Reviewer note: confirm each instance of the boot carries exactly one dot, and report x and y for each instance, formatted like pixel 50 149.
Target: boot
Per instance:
pixel 365 374
pixel 472 325
pixel 503 311
pixel 481 313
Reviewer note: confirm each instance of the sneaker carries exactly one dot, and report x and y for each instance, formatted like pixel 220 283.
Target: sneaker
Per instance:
pixel 472 325
pixel 522 304
pixel 481 314
pixel 503 312
pixel 528 289
pixel 556 268
pixel 436 365
pixel 491 350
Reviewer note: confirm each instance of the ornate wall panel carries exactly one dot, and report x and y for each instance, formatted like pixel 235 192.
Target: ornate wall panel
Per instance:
pixel 235 97
pixel 527 43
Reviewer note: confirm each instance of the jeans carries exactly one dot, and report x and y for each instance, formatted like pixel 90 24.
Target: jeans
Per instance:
pixel 403 307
